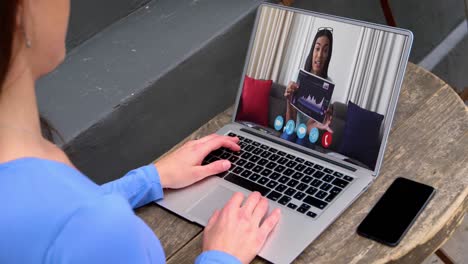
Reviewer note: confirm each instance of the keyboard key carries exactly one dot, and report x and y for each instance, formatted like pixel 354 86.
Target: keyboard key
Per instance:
pixel 311 190
pixel 297 175
pixel 340 183
pixel 318 174
pixel 289 156
pixel 306 179
pixel 291 164
pixel 299 195
pixel 246 174
pixel 232 134
pixel 256 144
pixel 282 161
pixel 284 179
pixel 233 159
pixel 290 192
pixel 274 175
pixel 251 186
pixel 271 165
pixel 254 158
pixel 274 196
pixel 281 188
pixel 272 184
pixel 262 162
pixel 240 137
pixel 281 153
pixel 225 155
pixel 300 160
pixel 311 214
pixel 264 146
pixel 263 180
pixel 238 170
pixel 280 168
pixel 318 167
pixel 303 208
pixel 292 183
pixel 274 157
pixel 254 177
pixel 257 168
pixel 217 152
pixel 249 148
pixel 301 186
pixel 308 163
pixel 257 151
pixel 338 174
pixel 300 167
pixel 241 162
pixel 265 154
pixel 266 172
pixel 249 165
pixel 288 172
pixel 309 171
pixel 327 170
pixel 328 178
pixel 316 183
pixel 330 197
pixel 284 200
pixel 273 150
pixel 248 140
pixel 321 194
pixel 315 202
pixel 348 178
pixel 292 206
pixel 336 190
pixel 246 155
pixel 326 186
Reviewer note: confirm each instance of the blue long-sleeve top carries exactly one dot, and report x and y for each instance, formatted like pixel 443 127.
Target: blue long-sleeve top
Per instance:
pixel 52 213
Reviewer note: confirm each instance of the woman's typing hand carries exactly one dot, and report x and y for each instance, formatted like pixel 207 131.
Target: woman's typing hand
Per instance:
pixel 183 167
pixel 238 228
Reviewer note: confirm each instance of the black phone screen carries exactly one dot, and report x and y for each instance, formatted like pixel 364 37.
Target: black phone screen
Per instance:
pixel 396 210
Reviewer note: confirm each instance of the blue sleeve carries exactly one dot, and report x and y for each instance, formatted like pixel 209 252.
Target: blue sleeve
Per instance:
pixel 140 186
pixel 215 257
pixel 105 231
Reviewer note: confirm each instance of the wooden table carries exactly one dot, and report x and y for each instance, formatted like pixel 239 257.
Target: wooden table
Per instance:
pixel 428 143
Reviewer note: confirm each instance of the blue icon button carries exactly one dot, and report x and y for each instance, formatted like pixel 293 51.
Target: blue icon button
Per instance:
pixel 301 131
pixel 313 135
pixel 279 122
pixel 289 128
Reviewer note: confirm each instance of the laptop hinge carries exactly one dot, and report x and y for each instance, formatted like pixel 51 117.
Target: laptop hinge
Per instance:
pixel 279 142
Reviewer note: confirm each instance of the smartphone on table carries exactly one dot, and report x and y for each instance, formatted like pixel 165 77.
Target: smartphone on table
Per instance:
pixel 396 211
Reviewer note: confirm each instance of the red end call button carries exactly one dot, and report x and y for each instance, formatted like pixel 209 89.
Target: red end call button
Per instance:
pixel 326 139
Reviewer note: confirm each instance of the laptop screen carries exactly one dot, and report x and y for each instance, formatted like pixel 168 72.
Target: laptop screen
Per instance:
pixel 321 83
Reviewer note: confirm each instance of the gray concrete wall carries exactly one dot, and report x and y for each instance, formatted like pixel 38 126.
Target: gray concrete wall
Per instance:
pixel 88 17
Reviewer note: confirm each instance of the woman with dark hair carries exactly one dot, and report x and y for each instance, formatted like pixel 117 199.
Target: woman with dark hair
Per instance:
pixel 51 212
pixel 317 62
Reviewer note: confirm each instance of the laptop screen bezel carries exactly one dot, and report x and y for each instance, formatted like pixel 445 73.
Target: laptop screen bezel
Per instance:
pixel 393 98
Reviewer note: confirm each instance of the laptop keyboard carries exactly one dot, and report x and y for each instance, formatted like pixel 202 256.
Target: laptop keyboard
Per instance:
pixel 291 181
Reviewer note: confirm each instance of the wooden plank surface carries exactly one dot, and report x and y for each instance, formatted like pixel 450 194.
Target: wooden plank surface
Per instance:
pixel 428 143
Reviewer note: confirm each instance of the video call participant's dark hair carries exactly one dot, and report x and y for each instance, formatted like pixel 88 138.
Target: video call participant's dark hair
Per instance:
pixel 8 10
pixel 308 65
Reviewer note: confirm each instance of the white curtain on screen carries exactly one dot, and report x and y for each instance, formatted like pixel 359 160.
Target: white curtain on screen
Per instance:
pixel 272 34
pixel 376 68
pixel 298 47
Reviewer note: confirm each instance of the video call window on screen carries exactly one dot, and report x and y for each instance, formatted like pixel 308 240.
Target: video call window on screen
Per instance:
pixel 320 83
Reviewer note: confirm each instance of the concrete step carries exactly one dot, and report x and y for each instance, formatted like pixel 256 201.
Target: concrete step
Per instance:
pixel 135 89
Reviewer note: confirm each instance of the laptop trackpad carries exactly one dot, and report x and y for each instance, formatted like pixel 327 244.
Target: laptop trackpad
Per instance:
pixel 216 199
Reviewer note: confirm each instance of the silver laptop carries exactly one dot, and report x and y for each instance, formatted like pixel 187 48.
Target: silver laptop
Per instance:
pixel 312 160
